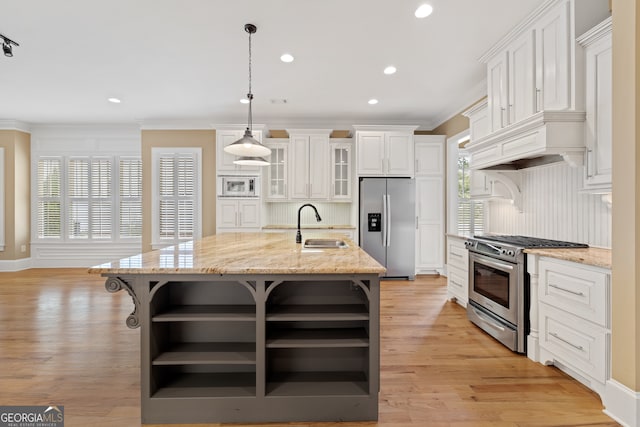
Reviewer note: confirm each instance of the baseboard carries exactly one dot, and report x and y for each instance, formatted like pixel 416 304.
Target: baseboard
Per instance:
pixel 622 404
pixel 15 264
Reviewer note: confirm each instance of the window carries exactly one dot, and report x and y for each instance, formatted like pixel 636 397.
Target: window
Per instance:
pixel 176 191
pixel 49 198
pixel 470 217
pixel 79 198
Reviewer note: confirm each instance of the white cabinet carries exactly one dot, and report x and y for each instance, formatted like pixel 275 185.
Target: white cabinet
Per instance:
pixel 537 67
pixel 275 175
pixel 457 270
pixel 226 135
pixel 385 151
pixel 599 85
pixel 553 40
pixel 479 125
pixel 309 165
pixel 238 214
pixel 429 155
pixel 574 311
pixel 341 169
pixel 430 202
pixel 479 184
pixel 521 78
pixel 430 223
pixel 497 90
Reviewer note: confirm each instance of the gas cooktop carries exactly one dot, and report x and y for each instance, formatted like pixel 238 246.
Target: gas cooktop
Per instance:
pixel 527 242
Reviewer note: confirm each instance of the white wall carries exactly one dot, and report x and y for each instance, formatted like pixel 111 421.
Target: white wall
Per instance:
pixel 554 208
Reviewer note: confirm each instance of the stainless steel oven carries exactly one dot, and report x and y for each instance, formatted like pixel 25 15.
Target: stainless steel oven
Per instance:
pixel 499 285
pixel 496 287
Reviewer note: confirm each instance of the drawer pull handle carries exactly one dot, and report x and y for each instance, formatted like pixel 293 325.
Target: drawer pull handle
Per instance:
pixel 453 282
pixel 560 288
pixel 578 347
pixel 455 254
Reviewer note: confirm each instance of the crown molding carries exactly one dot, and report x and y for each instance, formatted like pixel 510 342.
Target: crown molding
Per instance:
pixel 598 32
pixel 15 125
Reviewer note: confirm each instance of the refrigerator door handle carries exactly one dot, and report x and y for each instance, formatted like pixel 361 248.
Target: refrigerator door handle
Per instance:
pixel 384 220
pixel 388 220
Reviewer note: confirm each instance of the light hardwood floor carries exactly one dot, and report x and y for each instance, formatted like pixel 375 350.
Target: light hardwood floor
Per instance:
pixel 63 341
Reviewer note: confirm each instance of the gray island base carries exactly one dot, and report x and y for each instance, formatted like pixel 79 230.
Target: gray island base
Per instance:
pixel 255 347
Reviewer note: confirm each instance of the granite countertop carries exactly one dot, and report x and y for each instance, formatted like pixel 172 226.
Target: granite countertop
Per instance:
pixel 599 257
pixel 246 253
pixel 308 227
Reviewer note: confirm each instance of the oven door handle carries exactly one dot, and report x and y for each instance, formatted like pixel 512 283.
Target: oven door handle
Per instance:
pixel 492 263
pixel 487 320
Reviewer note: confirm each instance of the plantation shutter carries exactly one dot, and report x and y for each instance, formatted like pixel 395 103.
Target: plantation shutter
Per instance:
pixel 49 201
pixel 177 196
pixel 101 200
pixel 130 198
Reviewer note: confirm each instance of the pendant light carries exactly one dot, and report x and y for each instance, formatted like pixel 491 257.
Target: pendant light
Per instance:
pixel 247 147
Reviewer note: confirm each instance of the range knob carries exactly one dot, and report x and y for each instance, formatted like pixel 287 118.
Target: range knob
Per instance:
pixel 503 251
pixel 511 252
pixel 468 244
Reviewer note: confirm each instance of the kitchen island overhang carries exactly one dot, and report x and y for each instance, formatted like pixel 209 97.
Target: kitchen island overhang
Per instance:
pixel 251 327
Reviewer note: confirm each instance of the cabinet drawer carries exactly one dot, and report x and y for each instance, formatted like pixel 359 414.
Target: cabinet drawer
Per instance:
pixel 457 254
pixel 458 282
pixel 575 288
pixel 578 344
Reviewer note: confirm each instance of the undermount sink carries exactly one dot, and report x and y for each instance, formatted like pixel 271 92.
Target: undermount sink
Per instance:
pixel 325 243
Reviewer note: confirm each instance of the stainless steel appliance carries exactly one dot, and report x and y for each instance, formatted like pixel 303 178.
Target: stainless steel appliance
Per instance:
pixel 238 186
pixel 499 285
pixel 388 223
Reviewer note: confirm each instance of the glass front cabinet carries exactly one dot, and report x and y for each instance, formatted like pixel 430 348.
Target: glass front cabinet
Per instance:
pixel 341 170
pixel 276 172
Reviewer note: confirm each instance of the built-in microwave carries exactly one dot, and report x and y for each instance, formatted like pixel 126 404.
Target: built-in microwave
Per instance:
pixel 238 186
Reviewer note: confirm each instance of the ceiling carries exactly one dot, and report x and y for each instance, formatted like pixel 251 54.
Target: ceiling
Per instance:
pixel 176 61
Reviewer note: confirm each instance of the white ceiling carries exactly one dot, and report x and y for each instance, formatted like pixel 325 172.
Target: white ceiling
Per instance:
pixel 172 61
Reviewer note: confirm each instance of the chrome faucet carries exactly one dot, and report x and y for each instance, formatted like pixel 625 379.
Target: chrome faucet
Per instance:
pixel 298 235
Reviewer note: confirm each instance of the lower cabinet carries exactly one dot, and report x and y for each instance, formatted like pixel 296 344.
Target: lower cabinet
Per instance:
pixel 574 320
pixel 457 270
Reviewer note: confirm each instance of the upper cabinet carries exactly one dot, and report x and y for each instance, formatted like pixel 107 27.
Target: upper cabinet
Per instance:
pixel 226 135
pixel 535 89
pixel 598 129
pixel 341 169
pixel 385 150
pixel 275 175
pixel 309 165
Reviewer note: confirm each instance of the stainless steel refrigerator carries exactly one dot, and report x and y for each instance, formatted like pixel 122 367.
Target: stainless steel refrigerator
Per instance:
pixel 388 223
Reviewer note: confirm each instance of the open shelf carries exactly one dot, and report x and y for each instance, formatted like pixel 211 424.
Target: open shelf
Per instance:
pixel 190 313
pixel 317 312
pixel 188 385
pixel 208 353
pixel 317 384
pixel 301 338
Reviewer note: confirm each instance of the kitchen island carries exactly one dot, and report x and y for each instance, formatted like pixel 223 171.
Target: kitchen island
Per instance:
pixel 252 327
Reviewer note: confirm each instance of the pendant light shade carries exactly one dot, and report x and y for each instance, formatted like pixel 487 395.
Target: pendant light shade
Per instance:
pixel 251 161
pixel 247 147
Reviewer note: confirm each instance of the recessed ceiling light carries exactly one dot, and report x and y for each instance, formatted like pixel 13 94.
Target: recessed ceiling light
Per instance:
pixel 114 100
pixel 390 70
pixel 286 58
pixel 244 101
pixel 424 11
pixel 373 101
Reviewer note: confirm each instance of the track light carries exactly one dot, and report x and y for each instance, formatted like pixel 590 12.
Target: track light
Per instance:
pixel 6 46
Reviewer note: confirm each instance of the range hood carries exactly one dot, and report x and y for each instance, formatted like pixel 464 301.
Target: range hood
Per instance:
pixel 546 137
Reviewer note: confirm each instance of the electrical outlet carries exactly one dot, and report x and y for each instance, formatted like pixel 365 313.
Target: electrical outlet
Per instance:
pixel 23 248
